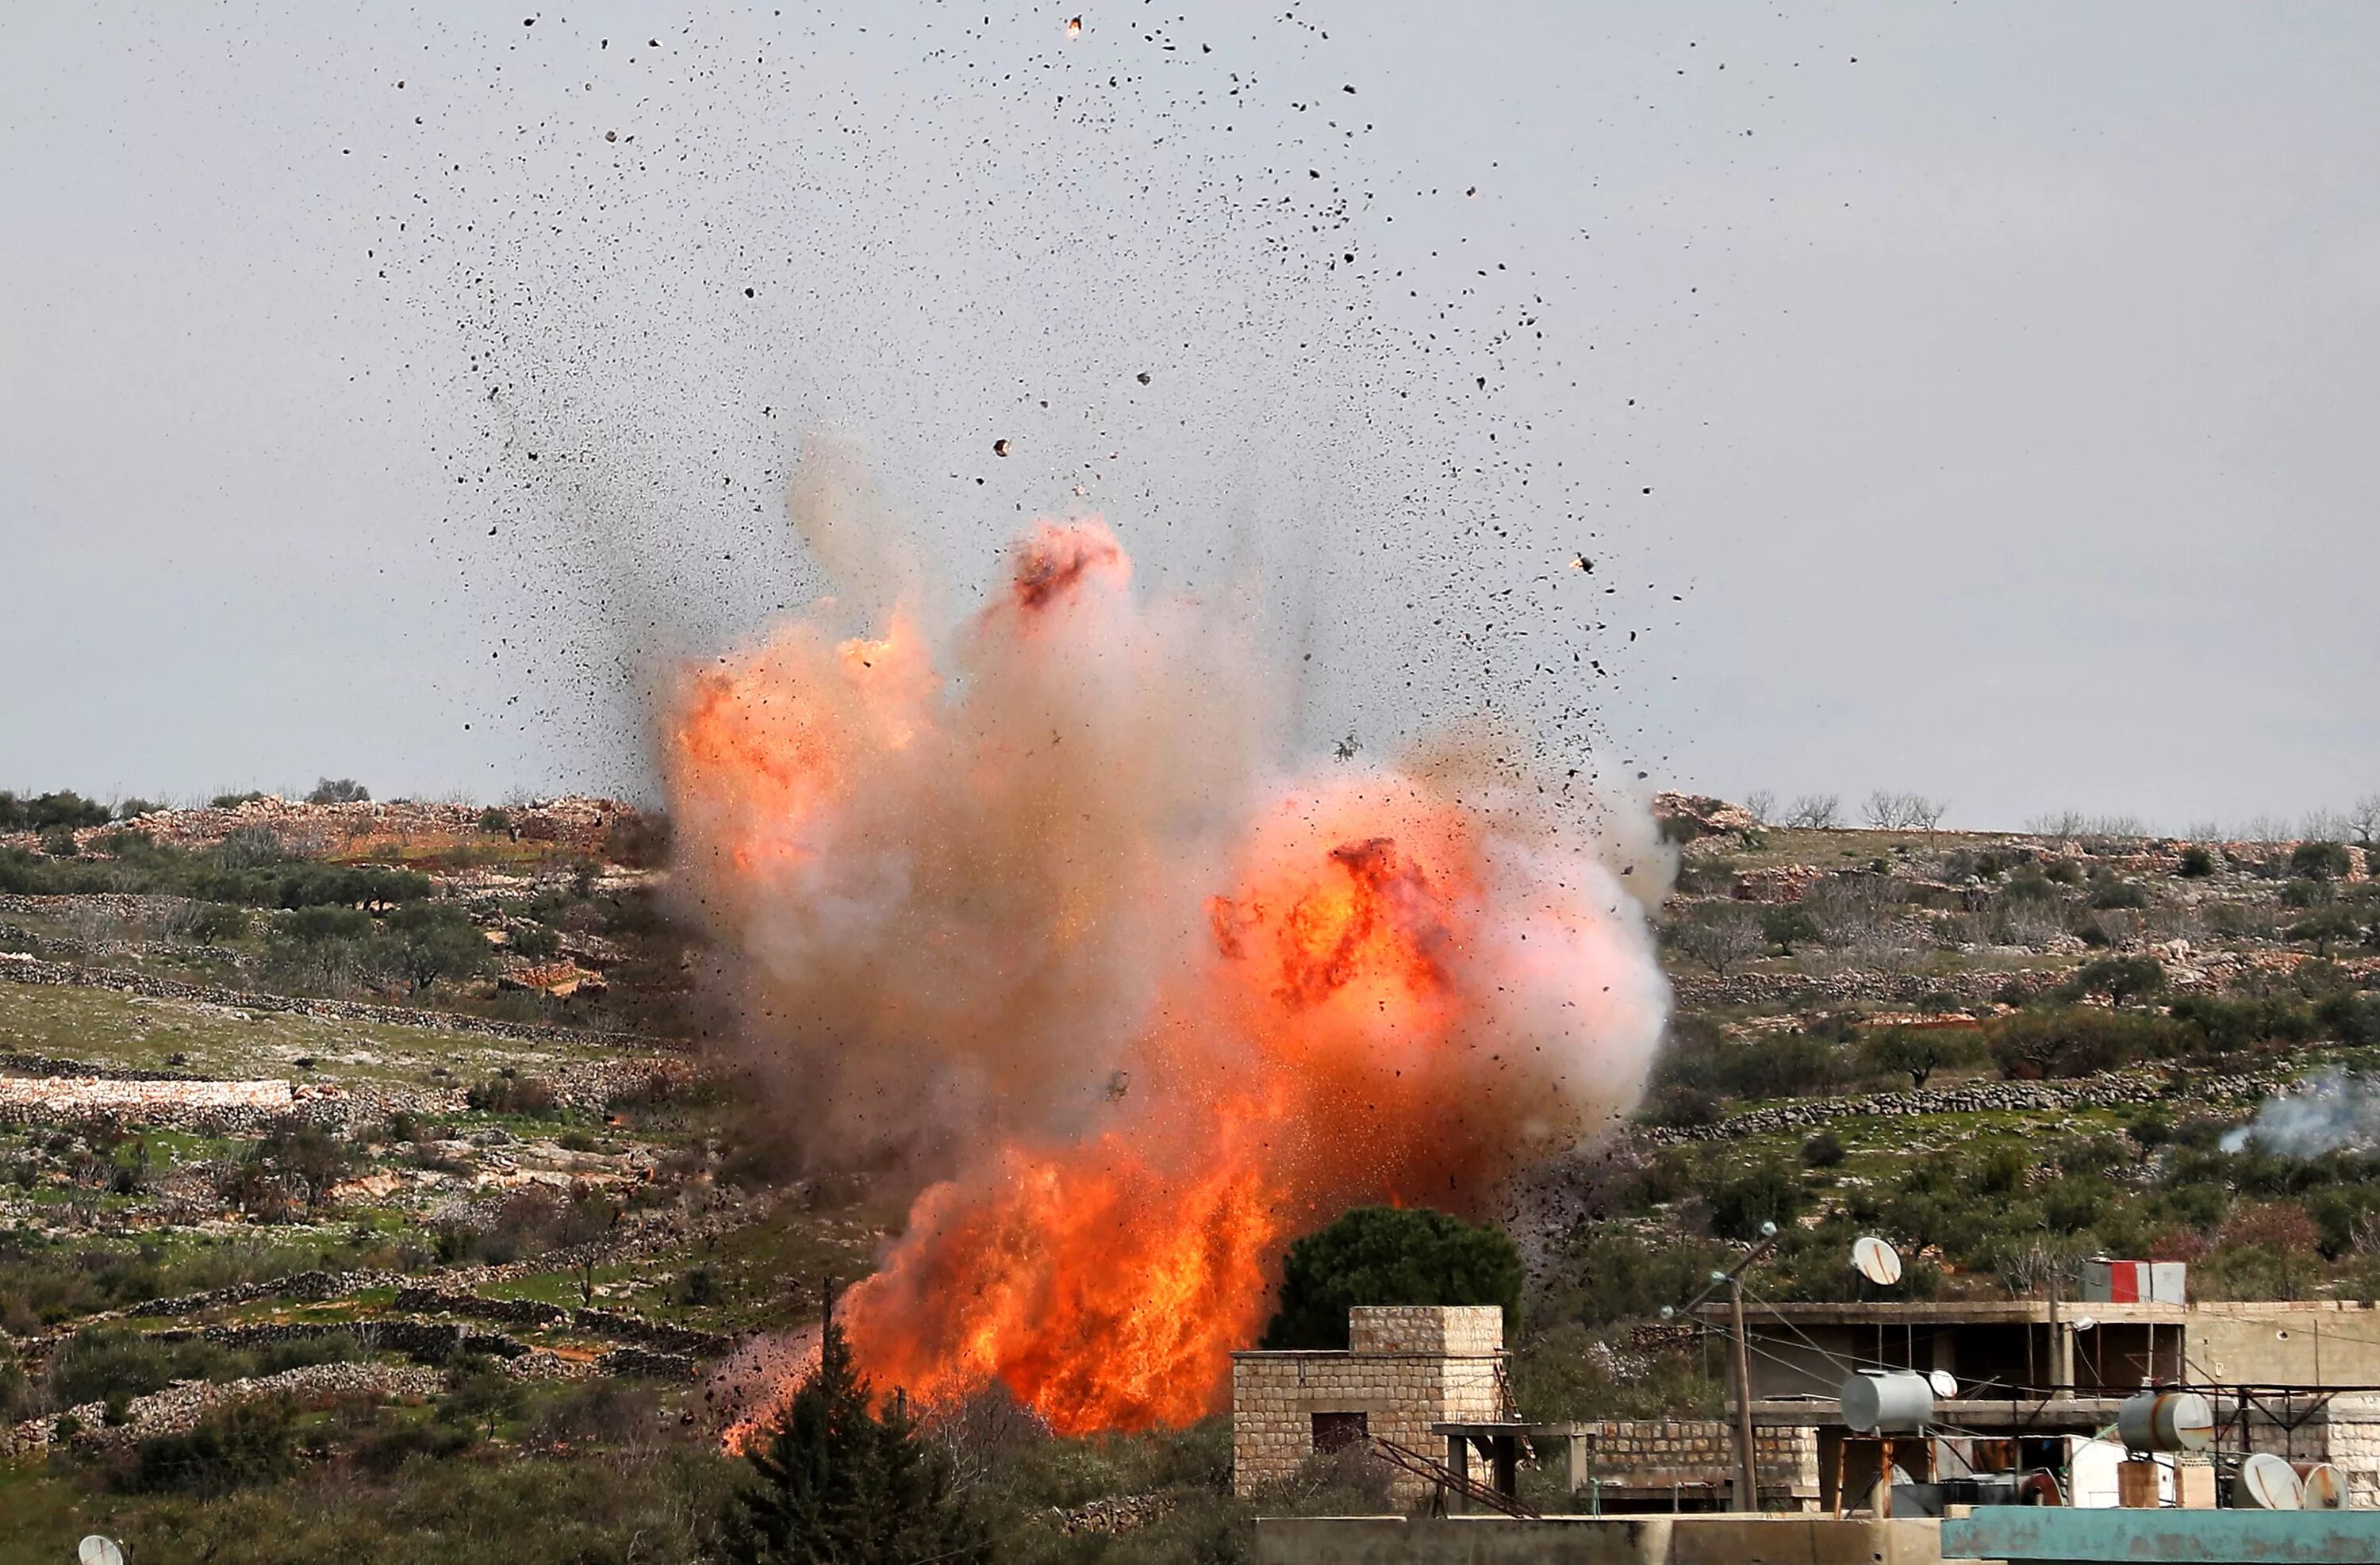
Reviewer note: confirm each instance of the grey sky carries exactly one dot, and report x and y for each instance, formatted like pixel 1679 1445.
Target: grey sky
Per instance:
pixel 2003 378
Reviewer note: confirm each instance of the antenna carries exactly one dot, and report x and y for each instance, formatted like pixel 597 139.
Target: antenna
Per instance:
pixel 1946 1386
pixel 98 1550
pixel 1876 1260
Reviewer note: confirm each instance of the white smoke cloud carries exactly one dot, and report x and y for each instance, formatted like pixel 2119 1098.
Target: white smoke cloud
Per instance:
pixel 2333 1111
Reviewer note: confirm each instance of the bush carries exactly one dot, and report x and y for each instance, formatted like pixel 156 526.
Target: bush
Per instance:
pixel 1769 1193
pixel 2196 863
pixel 213 923
pixel 509 1094
pixel 495 821
pixel 1390 1255
pixel 233 1448
pixel 2321 861
pixel 2121 978
pixel 47 812
pixel 1824 1150
pixel 2109 891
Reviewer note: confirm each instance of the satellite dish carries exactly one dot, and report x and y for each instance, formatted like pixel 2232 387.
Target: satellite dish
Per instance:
pixel 2266 1483
pixel 2088 1323
pixel 97 1551
pixel 1944 1385
pixel 1876 1260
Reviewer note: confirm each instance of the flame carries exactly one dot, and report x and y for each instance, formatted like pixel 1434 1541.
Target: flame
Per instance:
pixel 1047 922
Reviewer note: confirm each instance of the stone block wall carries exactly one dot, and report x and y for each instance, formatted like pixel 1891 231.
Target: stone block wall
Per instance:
pixel 1699 1453
pixel 1408 1368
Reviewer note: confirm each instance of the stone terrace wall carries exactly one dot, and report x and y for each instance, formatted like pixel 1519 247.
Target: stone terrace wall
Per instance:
pixel 2106 1090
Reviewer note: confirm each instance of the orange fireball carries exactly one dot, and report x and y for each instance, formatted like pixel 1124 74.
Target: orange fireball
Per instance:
pixel 963 908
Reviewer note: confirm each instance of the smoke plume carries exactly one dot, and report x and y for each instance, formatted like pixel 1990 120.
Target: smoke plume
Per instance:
pixel 1029 910
pixel 2329 1112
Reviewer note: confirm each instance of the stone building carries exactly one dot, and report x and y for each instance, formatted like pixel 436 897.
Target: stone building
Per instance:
pixel 1405 1367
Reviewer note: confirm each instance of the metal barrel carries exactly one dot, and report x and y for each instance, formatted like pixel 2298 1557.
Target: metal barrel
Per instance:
pixel 1891 1402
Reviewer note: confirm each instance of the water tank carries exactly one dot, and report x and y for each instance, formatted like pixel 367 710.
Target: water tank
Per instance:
pixel 1888 1402
pixel 2266 1483
pixel 2166 1421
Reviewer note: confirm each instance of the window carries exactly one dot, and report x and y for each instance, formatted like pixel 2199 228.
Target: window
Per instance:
pixel 1337 1431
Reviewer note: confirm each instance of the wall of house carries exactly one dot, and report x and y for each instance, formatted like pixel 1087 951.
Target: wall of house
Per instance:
pixel 1408 1368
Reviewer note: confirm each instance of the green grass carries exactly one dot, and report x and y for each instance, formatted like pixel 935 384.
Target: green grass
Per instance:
pixel 105 1027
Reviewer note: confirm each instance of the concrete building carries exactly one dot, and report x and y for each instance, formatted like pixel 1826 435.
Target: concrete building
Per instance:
pixel 2299 1378
pixel 1405 1368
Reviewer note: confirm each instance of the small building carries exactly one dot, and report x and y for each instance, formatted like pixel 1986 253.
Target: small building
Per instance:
pixel 2299 1378
pixel 1405 1368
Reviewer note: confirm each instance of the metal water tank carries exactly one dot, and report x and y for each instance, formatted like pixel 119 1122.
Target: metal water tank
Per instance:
pixel 2166 1421
pixel 1888 1402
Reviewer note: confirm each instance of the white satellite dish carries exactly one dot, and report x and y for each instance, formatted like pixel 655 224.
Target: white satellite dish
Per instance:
pixel 97 1551
pixel 2266 1483
pixel 1945 1386
pixel 1876 1260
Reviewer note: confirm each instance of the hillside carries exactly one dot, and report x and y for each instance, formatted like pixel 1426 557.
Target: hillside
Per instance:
pixel 392 1119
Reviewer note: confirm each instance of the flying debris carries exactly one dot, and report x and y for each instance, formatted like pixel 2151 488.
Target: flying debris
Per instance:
pixel 1000 448
pixel 1581 563
pixel 1075 28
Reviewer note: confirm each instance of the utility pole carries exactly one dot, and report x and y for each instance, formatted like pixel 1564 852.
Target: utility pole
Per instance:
pixel 1747 1481
pixel 1747 1478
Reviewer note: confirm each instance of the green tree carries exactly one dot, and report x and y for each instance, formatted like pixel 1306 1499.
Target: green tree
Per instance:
pixel 2121 978
pixel 430 942
pixel 1390 1255
pixel 1908 1051
pixel 836 1484
pixel 339 790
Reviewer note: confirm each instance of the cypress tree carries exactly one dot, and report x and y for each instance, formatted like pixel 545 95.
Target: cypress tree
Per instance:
pixel 835 1484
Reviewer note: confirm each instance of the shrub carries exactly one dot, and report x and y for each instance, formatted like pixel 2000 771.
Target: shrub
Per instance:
pixel 339 790
pixel 2196 863
pixel 2108 891
pixel 509 1094
pixel 249 1443
pixel 1390 1255
pixel 213 923
pixel 2321 861
pixel 49 811
pixel 1824 1150
pixel 1767 1193
pixel 495 819
pixel 2121 978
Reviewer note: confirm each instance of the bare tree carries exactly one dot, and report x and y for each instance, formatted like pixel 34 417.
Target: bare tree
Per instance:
pixel 1928 813
pixel 1816 812
pixel 1761 805
pixel 2364 819
pixel 1720 935
pixel 1881 810
pixel 2326 826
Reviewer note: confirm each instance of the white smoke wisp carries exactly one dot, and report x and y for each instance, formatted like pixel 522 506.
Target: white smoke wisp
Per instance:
pixel 2337 1110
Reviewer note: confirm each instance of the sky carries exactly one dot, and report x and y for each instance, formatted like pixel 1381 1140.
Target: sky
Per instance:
pixel 1968 400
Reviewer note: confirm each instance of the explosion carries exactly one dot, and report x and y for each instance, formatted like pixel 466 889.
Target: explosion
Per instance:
pixel 1048 929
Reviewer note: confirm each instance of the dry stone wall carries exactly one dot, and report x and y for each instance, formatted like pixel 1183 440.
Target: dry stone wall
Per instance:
pixel 1699 1454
